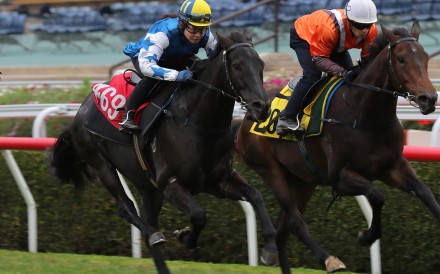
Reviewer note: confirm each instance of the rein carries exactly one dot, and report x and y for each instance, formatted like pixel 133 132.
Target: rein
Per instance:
pixel 237 97
pixel 405 95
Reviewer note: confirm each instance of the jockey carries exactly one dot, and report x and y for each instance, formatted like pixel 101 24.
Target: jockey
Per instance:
pixel 162 54
pixel 321 41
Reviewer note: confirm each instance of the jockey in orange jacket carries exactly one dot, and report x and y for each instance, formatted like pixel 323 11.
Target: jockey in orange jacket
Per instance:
pixel 321 41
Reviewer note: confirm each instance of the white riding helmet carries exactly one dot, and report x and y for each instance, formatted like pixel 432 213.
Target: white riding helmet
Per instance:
pixel 361 11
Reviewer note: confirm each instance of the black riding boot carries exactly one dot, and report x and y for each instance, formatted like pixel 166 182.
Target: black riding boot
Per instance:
pixel 290 120
pixel 127 123
pixel 138 97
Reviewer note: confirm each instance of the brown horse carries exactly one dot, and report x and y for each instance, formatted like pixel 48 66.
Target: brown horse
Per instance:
pixel 361 141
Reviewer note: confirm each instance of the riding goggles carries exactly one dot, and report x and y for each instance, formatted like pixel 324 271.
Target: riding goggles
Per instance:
pixel 361 26
pixel 194 30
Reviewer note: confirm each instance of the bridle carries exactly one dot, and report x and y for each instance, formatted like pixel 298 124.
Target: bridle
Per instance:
pixel 401 91
pixel 236 95
pixel 404 94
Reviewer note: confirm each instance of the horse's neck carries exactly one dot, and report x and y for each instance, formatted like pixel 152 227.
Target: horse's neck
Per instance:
pixel 375 104
pixel 210 107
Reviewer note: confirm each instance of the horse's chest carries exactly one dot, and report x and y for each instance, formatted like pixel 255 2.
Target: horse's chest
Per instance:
pixel 197 162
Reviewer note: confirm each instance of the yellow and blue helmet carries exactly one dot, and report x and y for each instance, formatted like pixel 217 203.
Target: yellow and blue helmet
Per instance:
pixel 196 13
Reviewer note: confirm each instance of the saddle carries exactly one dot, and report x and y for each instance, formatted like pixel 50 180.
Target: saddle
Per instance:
pixel 109 102
pixel 315 106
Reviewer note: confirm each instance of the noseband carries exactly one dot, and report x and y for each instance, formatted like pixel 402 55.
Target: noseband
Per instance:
pixel 236 95
pixel 225 62
pixel 393 72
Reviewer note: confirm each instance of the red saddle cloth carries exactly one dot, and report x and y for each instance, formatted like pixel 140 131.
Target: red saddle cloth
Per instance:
pixel 110 98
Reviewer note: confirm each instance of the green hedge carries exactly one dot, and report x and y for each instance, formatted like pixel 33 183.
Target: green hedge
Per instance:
pixel 88 223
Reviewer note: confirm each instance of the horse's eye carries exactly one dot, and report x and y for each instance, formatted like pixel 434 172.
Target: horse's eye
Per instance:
pixel 400 59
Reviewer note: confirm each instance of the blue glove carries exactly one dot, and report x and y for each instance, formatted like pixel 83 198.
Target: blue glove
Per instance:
pixel 184 75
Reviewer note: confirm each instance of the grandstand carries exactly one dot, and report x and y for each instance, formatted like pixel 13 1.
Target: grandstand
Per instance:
pixel 87 33
pixel 67 16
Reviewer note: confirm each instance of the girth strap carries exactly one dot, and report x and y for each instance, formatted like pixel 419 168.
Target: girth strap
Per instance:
pixel 309 161
pixel 141 159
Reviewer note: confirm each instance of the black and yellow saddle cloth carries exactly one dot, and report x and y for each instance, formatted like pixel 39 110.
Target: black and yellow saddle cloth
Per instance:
pixel 317 109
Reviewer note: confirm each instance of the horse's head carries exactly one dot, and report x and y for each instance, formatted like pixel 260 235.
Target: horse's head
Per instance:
pixel 408 68
pixel 244 71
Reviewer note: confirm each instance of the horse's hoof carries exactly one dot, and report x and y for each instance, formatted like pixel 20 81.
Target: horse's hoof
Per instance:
pixel 333 264
pixel 181 233
pixel 269 258
pixel 156 238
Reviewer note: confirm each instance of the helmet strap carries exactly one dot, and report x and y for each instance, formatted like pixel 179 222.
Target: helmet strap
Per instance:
pixel 182 25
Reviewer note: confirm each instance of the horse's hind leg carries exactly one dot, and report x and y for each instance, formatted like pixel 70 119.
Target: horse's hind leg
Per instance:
pixel 182 199
pixel 236 188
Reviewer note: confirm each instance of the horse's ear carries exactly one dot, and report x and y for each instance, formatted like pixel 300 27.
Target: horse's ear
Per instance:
pixel 224 41
pixel 415 30
pixel 391 37
pixel 247 35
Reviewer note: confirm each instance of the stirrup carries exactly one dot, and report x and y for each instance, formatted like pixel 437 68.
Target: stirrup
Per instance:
pixel 127 124
pixel 297 130
pixel 298 125
pixel 126 117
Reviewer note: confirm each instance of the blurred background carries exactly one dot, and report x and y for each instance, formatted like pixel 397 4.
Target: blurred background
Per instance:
pixel 73 39
pixel 67 41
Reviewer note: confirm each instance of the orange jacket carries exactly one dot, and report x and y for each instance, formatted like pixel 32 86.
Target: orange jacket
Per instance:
pixel 321 29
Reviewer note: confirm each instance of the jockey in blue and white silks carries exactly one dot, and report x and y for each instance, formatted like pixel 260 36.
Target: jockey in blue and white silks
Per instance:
pixel 163 53
pixel 164 49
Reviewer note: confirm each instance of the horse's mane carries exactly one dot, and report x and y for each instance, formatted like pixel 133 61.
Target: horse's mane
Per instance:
pixel 381 42
pixel 233 38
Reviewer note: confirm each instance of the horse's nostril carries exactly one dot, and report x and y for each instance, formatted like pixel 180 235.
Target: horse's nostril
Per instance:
pixel 257 106
pixel 426 104
pixel 260 110
pixel 426 100
pixel 423 99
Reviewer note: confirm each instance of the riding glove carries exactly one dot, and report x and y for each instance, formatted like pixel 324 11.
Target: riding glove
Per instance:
pixel 349 75
pixel 184 75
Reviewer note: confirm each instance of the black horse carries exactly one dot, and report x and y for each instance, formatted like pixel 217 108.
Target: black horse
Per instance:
pixel 188 151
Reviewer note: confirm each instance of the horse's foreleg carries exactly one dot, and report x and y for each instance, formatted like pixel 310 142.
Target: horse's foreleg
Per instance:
pixel 236 188
pixel 152 201
pixel 127 210
pixel 293 199
pixel 352 184
pixel 182 199
pixel 282 238
pixel 402 176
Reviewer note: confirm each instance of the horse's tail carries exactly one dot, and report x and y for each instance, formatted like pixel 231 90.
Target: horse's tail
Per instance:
pixel 65 163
